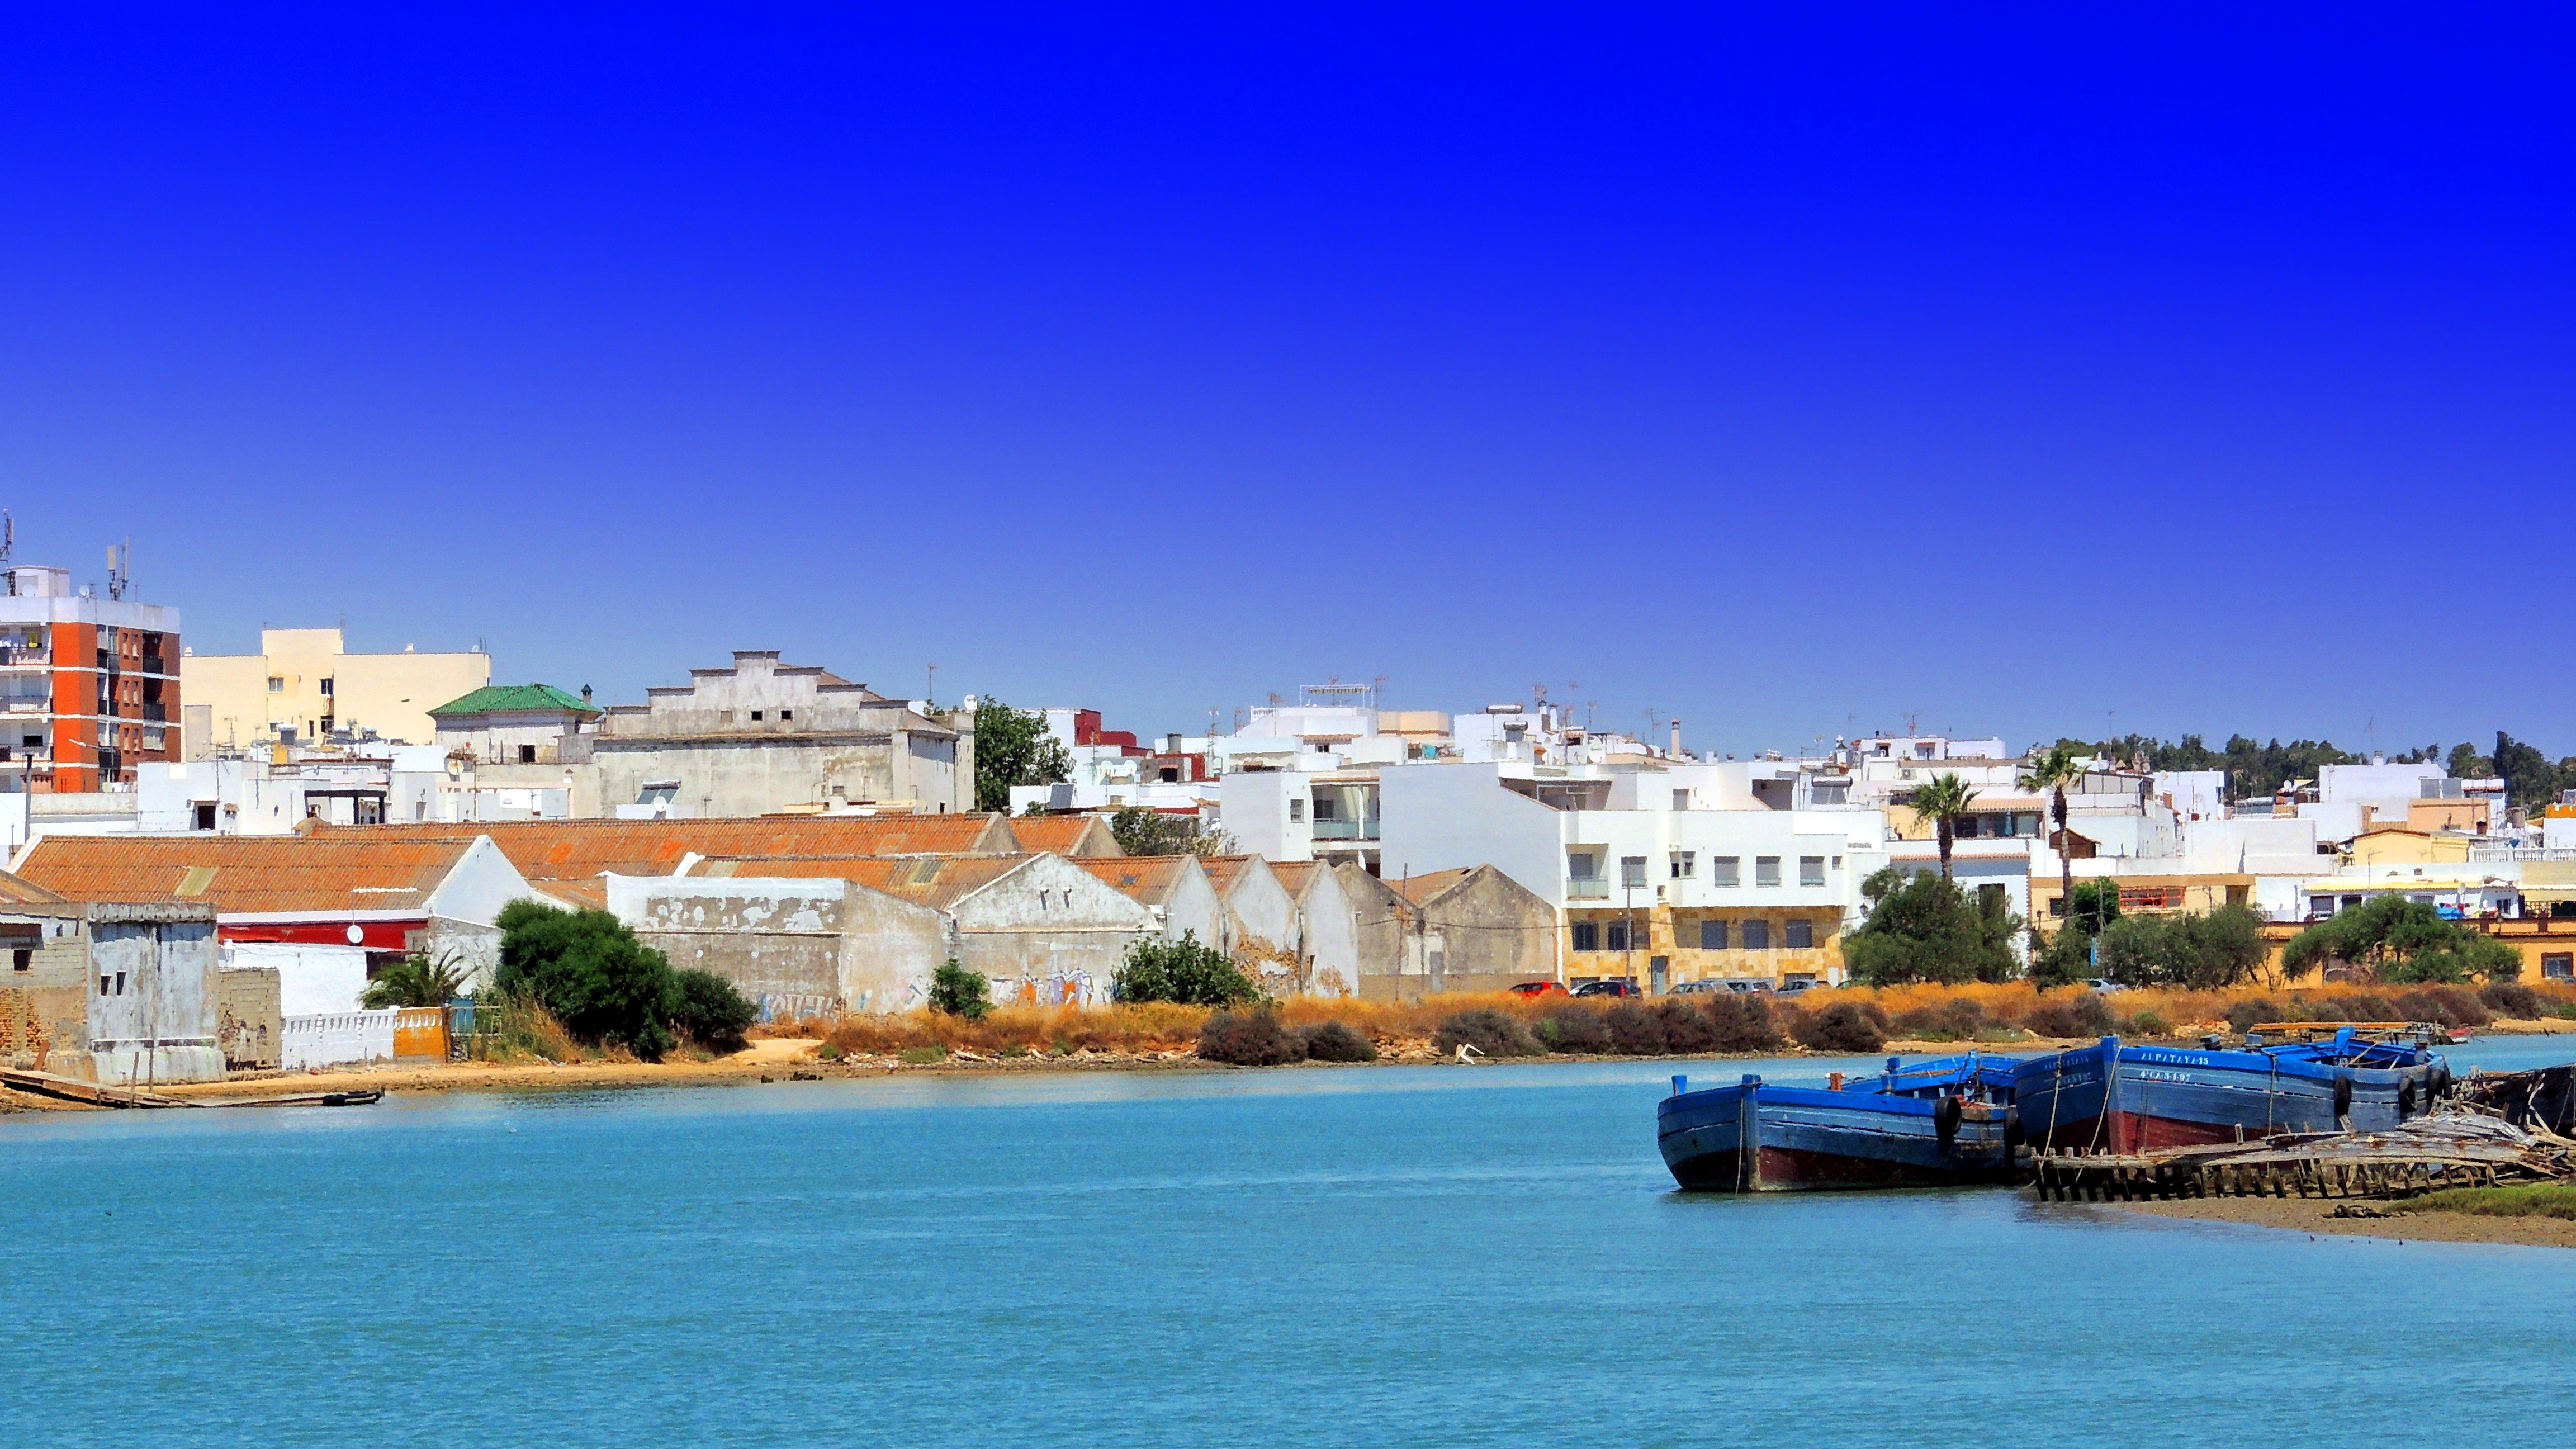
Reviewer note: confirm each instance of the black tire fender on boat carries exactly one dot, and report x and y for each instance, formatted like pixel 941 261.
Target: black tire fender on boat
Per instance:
pixel 2343 1097
pixel 2406 1098
pixel 1945 1119
pixel 2438 1080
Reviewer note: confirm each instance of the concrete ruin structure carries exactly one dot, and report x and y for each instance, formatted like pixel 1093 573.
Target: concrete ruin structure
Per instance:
pixel 760 736
pixel 122 994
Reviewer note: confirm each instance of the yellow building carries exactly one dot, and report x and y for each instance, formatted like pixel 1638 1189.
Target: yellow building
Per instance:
pixel 1663 946
pixel 2390 846
pixel 306 681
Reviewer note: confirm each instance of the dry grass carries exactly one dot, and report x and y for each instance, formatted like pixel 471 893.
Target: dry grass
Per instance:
pixel 1163 1027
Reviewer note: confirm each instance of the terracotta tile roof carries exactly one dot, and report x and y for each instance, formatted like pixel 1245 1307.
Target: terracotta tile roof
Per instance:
pixel 24 892
pixel 1076 835
pixel 1421 888
pixel 591 894
pixel 935 881
pixel 1294 874
pixel 576 849
pixel 1148 878
pixel 283 874
pixel 1222 869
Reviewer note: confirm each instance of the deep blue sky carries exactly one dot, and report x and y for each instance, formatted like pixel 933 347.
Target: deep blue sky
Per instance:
pixel 1788 373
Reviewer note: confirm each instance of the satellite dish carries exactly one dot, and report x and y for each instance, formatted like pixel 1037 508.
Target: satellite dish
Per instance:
pixel 357 935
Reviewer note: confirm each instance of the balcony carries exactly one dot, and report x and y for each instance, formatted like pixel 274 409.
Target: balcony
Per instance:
pixel 1346 830
pixel 9 656
pixel 1587 888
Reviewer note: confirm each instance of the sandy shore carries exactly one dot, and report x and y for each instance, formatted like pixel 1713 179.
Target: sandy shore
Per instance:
pixel 2314 1215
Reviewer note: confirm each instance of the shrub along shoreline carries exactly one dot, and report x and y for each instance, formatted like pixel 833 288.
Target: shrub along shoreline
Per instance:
pixel 2004 1016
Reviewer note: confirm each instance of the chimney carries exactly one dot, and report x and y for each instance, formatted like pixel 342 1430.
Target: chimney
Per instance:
pixel 1171 744
pixel 1677 737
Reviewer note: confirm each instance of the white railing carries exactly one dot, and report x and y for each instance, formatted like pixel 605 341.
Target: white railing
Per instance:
pixel 2503 854
pixel 1587 888
pixel 336 1038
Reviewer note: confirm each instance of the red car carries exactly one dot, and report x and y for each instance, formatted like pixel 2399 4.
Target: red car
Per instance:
pixel 1538 988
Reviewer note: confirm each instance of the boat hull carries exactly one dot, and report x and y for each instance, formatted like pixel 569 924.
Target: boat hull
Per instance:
pixel 2113 1097
pixel 1757 1138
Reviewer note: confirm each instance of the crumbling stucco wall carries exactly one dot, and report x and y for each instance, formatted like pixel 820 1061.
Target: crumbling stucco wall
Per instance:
pixel 247 1026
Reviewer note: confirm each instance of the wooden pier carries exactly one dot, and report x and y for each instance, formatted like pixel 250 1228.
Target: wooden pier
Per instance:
pixel 2455 1147
pixel 73 1089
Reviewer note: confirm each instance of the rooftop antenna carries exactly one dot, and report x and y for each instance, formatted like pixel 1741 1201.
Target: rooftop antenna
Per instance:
pixel 8 546
pixel 120 566
pixel 930 691
pixel 1913 722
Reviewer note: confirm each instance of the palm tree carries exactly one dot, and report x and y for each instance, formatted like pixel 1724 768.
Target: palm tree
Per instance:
pixel 2051 770
pixel 1944 802
pixel 416 981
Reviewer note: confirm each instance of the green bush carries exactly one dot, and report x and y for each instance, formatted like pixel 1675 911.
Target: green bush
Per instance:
pixel 1634 1030
pixel 2062 959
pixel 1493 1033
pixel 922 1056
pixel 1335 1041
pixel 2083 1014
pixel 1958 1019
pixel 2444 1005
pixel 1843 1026
pixel 1687 1029
pixel 710 1011
pixel 589 971
pixel 1575 1031
pixel 2146 1023
pixel 1182 971
pixel 1250 1039
pixel 960 992
pixel 2242 1015
pixel 1742 1022
pixel 2512 998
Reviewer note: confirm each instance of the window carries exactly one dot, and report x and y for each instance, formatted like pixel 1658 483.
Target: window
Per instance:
pixel 755 714
pixel 1757 935
pixel 1297 812
pixel 1618 934
pixel 1838 862
pixel 1327 808
pixel 1801 934
pixel 102 986
pixel 277 684
pixel 787 714
pixel 527 754
pixel 1632 871
pixel 1811 870
pixel 2554 965
pixel 1766 870
pixel 22 960
pixel 1587 935
pixel 1685 864
pixel 1725 870
pixel 1964 828
pixel 2240 895
pixel 326 689
pixel 1681 799
pixel 1170 774
pixel 2150 898
pixel 1712 935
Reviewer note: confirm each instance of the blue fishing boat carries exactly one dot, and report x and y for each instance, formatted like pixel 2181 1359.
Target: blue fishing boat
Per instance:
pixel 2124 1097
pixel 1936 1124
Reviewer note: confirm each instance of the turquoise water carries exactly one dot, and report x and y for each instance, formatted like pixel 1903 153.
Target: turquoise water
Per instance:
pixel 1403 1255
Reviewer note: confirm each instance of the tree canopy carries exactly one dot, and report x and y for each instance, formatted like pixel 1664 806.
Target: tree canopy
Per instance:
pixel 2401 940
pixel 1182 971
pixel 609 989
pixel 1012 747
pixel 1922 927
pixel 1143 830
pixel 2204 952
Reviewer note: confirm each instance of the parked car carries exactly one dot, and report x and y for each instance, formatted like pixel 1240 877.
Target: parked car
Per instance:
pixel 1615 986
pixel 1698 988
pixel 1799 988
pixel 2104 987
pixel 1539 988
pixel 1747 987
